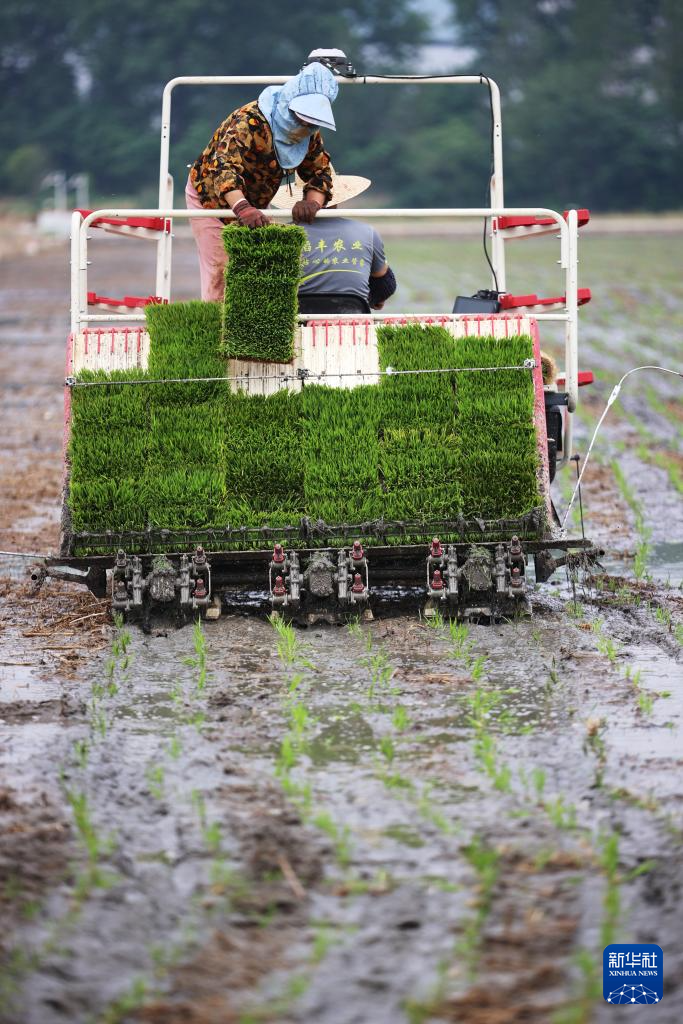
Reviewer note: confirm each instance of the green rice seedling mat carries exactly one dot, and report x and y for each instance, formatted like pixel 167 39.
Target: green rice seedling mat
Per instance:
pixel 261 283
pixel 453 453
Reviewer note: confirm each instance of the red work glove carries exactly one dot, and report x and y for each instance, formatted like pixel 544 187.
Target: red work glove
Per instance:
pixel 304 211
pixel 248 216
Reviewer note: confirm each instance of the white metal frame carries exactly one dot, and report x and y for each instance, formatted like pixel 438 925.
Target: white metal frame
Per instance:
pixel 567 229
pixel 166 180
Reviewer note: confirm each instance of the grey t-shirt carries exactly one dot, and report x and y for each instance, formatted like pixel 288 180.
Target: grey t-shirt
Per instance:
pixel 339 257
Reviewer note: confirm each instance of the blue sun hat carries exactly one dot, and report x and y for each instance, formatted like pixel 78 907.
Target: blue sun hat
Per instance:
pixel 309 96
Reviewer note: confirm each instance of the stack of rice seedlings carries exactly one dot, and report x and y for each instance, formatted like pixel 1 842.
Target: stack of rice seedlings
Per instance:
pixel 185 484
pixel 186 497
pixel 264 473
pixel 185 435
pixel 185 343
pixel 262 278
pixel 496 440
pixel 417 453
pixel 340 454
pixel 107 455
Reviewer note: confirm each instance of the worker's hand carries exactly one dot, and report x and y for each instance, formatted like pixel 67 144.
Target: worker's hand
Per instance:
pixel 304 211
pixel 248 216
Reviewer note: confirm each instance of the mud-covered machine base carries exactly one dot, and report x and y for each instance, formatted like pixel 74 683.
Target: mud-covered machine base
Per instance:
pixel 484 581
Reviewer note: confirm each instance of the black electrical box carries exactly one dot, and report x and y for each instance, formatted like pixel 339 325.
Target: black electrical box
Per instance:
pixel 484 301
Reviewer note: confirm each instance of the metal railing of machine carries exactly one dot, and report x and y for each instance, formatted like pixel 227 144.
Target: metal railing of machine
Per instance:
pixel 566 229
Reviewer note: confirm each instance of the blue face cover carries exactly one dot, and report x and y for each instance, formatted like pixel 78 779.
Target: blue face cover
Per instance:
pixel 289 135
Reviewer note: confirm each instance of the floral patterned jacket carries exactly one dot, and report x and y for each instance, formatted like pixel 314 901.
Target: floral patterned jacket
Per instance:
pixel 241 155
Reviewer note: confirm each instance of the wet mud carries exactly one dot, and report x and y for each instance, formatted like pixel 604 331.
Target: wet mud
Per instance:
pixel 388 822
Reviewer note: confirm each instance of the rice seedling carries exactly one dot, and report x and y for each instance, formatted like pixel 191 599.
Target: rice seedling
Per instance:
pixel 485 861
pixel 100 504
pixel 643 545
pixel 435 621
pixel 324 937
pixel 339 835
pixel 81 749
pixel 184 343
pixel 461 645
pixel 288 646
pixel 264 465
pixel 193 455
pixel 553 677
pixel 400 718
pixel 196 719
pixel 646 702
pixel 608 859
pixel 387 749
pixel 581 1009
pixel 262 279
pixel 561 814
pixel 486 753
pixel 200 659
pixel 88 833
pixel 155 780
pixel 186 497
pixel 339 452
pixel 212 836
pixel 538 778
pixel 594 741
pixel 477 667
pixel 175 747
pixel 122 1007
pixel 663 617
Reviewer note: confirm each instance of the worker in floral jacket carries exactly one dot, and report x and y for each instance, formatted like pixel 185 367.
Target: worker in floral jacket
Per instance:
pixel 249 155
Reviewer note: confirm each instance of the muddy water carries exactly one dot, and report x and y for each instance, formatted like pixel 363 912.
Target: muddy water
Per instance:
pixel 397 824
pixel 369 911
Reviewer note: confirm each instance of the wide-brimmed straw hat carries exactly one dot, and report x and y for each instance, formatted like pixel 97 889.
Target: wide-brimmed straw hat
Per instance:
pixel 344 186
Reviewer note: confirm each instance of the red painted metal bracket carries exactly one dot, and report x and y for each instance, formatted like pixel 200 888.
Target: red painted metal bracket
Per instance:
pixel 501 223
pixel 533 302
pixel 149 223
pixel 127 302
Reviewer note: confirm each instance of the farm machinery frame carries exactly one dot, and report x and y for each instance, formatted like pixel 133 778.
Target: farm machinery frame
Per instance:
pixel 313 570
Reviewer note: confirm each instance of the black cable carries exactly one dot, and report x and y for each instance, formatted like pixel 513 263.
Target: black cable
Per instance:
pixel 485 78
pixel 416 78
pixel 482 78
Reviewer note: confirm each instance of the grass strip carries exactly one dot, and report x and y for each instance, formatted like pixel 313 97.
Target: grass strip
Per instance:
pixel 181 498
pixel 422 448
pixel 261 283
pixel 495 433
pixel 417 441
pixel 264 472
pixel 107 453
pixel 185 342
pixel 341 453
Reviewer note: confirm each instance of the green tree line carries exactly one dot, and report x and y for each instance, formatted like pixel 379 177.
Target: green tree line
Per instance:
pixel 592 99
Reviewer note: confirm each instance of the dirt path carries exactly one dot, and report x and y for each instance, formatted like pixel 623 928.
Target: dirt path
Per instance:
pixel 379 824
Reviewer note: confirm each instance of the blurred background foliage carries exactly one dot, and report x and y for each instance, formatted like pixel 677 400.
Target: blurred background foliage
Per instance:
pixel 592 93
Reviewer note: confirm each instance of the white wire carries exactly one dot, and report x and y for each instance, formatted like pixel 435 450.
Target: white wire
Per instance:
pixel 71 382
pixel 22 554
pixel 610 401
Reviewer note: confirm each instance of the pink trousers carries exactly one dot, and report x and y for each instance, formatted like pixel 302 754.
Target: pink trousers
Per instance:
pixel 212 256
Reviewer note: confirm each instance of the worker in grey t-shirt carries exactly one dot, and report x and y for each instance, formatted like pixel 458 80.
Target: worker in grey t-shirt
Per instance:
pixel 343 266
